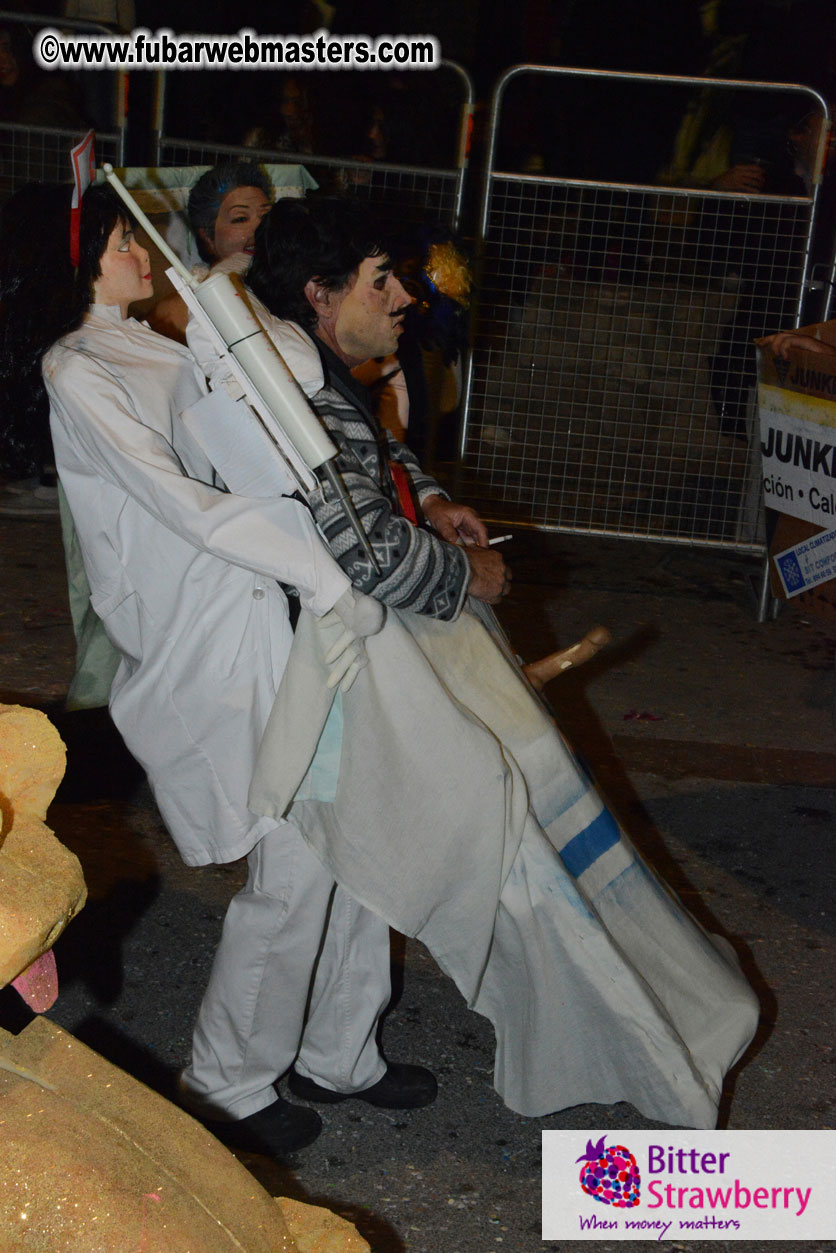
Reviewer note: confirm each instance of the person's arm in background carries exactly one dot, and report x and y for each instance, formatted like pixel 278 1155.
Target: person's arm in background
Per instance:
pixel 747 177
pixel 783 341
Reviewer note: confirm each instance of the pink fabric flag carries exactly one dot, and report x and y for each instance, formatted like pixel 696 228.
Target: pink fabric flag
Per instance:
pixel 83 161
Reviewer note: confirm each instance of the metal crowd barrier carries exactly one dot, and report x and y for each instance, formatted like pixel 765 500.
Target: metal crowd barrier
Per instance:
pixel 41 153
pixel 608 391
pixel 398 192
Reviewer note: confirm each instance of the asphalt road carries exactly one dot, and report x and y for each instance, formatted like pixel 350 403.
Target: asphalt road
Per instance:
pixel 728 786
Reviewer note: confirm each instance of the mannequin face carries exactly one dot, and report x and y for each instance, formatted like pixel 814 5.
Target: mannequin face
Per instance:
pixel 238 217
pixel 125 270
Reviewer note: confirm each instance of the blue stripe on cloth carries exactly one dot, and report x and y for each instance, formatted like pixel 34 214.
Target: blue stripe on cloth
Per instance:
pixel 588 845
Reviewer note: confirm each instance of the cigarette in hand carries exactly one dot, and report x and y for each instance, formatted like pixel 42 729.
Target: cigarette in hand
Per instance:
pixel 500 539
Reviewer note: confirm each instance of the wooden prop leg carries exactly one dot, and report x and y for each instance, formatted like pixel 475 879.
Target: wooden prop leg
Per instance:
pixel 539 673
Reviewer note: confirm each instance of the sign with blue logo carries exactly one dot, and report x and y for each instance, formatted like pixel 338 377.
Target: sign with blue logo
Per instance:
pixel 807 564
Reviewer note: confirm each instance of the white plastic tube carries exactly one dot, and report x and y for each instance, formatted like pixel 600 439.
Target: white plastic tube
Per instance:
pixel 224 300
pixel 123 193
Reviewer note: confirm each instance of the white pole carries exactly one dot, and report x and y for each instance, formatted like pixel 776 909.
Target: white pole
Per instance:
pixel 171 256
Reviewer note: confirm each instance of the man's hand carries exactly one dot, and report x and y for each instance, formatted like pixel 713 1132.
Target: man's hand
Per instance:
pixel 455 523
pixel 785 340
pixel 490 578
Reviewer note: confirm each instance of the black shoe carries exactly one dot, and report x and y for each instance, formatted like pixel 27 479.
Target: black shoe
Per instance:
pixel 275 1130
pixel 402 1087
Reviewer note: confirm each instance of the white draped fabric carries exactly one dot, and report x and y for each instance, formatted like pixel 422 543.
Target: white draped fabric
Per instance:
pixel 463 819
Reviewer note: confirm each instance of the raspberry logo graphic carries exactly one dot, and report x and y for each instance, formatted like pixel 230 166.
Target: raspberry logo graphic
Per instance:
pixel 610 1175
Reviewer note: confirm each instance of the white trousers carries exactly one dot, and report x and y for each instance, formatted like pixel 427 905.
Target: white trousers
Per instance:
pixel 301 976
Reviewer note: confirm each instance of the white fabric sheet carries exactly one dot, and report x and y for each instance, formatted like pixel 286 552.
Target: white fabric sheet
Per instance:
pixel 463 818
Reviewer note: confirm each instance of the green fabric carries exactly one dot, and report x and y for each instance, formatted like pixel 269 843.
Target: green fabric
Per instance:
pixel 320 783
pixel 96 658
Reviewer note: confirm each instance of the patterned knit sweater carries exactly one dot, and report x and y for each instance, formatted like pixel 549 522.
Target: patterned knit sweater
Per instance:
pixel 419 571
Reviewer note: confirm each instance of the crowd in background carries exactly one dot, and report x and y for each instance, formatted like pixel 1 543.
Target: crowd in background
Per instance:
pixel 581 129
pixel 604 131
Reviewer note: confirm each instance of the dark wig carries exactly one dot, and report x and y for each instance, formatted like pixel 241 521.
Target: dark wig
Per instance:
pixel 321 237
pixel 209 190
pixel 42 298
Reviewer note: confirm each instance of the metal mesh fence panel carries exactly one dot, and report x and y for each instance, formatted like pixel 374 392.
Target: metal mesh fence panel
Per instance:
pixel 39 153
pixel 611 385
pixel 423 178
pixel 31 154
pixel 612 370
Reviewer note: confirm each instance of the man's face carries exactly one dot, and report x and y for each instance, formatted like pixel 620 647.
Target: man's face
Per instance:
pixel 369 312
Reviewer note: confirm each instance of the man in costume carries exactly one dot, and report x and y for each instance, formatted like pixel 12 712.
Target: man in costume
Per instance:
pixel 429 575
pixel 438 790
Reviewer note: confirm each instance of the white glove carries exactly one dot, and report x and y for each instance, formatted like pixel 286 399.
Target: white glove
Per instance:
pixel 345 628
pixel 205 346
pixel 236 263
pixel 205 349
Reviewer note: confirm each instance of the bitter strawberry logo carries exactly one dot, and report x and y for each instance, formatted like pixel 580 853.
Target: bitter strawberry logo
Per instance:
pixel 610 1175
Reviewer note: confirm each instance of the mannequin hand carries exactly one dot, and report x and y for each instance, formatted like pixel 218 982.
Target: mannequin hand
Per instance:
pixel 205 352
pixel 236 263
pixel 345 628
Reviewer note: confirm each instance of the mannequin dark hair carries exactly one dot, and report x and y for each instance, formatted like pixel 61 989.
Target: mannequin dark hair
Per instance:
pixel 321 237
pixel 42 298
